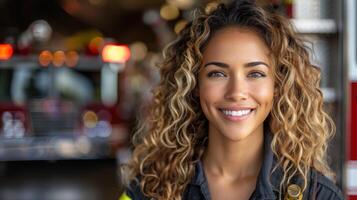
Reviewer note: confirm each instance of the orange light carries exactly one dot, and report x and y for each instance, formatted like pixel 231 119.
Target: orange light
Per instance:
pixel 96 44
pixel 45 58
pixel 71 58
pixel 58 58
pixel 5 51
pixel 90 119
pixel 115 53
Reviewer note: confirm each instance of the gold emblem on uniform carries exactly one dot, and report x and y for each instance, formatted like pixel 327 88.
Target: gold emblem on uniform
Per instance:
pixel 294 193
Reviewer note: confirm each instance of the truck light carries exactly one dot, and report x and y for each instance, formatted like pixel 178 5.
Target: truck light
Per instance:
pixel 115 53
pixel 6 51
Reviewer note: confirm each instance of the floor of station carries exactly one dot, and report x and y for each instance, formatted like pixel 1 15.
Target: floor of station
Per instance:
pixel 59 180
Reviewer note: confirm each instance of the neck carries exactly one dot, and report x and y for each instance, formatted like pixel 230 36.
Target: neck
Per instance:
pixel 234 159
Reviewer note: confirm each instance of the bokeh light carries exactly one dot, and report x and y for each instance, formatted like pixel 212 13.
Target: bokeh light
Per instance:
pixel 6 51
pixel 83 145
pixel 96 44
pixel 115 53
pixel 72 58
pixel 138 51
pixel 179 26
pixel 41 30
pixel 182 4
pixel 59 58
pixel 169 12
pixel 151 17
pixel 45 58
pixel 90 119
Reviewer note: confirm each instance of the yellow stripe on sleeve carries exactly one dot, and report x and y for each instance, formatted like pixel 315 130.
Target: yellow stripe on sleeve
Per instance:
pixel 124 196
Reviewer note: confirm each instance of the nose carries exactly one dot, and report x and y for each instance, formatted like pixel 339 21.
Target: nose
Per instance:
pixel 237 89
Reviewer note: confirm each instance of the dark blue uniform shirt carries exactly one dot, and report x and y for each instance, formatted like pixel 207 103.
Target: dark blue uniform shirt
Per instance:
pixel 267 187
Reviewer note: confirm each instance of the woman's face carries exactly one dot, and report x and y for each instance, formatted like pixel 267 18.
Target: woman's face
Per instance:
pixel 236 85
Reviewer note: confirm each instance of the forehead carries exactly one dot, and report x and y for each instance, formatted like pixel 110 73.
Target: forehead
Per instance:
pixel 236 43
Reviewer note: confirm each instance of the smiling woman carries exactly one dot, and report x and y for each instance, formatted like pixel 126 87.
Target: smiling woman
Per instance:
pixel 236 89
pixel 237 115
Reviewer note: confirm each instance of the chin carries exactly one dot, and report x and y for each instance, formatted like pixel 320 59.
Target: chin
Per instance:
pixel 237 137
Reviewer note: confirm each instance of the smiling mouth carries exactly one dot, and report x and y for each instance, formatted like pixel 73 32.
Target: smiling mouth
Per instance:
pixel 236 113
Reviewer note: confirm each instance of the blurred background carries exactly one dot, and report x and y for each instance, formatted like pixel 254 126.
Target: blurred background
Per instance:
pixel 76 74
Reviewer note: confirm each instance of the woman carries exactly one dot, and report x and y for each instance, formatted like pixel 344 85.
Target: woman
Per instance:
pixel 237 115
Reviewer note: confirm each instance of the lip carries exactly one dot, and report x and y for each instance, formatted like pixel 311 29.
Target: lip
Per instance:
pixel 236 118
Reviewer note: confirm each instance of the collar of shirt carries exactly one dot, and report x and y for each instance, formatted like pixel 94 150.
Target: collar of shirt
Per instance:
pixel 267 183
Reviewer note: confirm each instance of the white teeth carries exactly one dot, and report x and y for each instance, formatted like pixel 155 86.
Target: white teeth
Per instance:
pixel 236 113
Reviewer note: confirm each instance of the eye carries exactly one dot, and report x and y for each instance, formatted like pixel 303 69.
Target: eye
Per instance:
pixel 216 74
pixel 256 74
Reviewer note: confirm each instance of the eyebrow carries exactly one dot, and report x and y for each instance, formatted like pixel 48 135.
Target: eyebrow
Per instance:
pixel 224 65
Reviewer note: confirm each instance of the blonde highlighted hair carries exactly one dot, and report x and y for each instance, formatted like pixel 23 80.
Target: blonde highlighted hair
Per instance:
pixel 170 141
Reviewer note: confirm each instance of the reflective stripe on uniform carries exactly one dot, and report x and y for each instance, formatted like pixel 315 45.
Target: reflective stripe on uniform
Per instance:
pixel 124 196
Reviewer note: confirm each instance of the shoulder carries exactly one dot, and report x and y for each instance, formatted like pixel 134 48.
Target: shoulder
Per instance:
pixel 325 188
pixel 133 192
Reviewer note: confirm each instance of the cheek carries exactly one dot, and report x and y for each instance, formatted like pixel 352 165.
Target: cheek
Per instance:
pixel 265 94
pixel 209 94
pixel 210 91
pixel 206 93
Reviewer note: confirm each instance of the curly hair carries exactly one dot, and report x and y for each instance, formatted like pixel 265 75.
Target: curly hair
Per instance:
pixel 170 141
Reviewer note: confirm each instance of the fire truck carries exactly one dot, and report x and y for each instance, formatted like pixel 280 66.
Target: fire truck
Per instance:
pixel 61 104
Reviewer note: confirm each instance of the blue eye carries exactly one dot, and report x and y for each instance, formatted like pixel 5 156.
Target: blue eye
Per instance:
pixel 216 74
pixel 256 75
